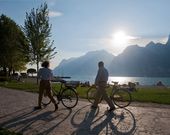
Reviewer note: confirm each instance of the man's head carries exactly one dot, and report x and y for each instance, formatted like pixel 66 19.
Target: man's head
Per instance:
pixel 101 64
pixel 45 64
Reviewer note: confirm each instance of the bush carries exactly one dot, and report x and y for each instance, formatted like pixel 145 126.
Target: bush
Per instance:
pixel 4 79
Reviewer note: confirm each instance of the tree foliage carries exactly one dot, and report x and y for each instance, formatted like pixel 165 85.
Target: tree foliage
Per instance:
pixel 37 30
pixel 13 46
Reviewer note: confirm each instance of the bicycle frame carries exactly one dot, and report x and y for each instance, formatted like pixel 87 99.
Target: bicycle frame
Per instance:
pixel 119 95
pixel 58 93
pixel 66 94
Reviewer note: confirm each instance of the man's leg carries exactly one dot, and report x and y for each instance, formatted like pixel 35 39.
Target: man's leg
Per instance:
pixel 106 98
pixel 97 98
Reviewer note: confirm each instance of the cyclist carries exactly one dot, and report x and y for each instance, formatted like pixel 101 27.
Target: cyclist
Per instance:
pixel 101 83
pixel 45 74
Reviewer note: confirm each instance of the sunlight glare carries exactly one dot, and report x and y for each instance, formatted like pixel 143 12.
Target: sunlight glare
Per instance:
pixel 119 41
pixel 120 38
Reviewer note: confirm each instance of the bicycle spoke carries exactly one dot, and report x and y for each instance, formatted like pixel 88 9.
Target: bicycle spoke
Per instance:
pixel 91 94
pixel 122 98
pixel 69 98
pixel 45 101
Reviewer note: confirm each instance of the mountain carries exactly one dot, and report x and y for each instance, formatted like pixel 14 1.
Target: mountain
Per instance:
pixel 151 60
pixel 84 65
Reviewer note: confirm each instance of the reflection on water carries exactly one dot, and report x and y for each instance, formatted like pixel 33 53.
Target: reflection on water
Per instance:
pixel 141 80
pixel 125 80
pixel 121 80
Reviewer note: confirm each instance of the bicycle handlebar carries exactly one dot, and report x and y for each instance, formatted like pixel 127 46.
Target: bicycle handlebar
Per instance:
pixel 59 80
pixel 115 83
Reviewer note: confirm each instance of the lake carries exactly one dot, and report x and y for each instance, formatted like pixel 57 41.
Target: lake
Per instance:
pixel 122 80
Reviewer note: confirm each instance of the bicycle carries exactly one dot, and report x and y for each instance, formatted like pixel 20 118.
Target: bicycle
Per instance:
pixel 119 94
pixel 67 94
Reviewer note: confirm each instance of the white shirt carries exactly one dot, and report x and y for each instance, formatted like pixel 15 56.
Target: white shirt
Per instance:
pixel 102 76
pixel 45 74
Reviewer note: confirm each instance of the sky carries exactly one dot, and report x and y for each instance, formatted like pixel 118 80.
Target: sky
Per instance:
pixel 79 26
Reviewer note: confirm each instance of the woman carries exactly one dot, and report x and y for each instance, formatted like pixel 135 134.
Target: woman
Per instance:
pixel 45 74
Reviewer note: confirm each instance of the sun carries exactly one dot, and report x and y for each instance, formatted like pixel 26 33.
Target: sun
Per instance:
pixel 120 38
pixel 119 41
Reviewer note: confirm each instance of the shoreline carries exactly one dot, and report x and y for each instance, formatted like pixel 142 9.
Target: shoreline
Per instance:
pixel 33 79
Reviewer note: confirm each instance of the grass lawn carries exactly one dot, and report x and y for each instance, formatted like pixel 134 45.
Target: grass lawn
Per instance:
pixel 151 94
pixel 154 95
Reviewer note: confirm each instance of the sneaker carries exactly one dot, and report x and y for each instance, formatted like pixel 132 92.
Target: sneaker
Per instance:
pixel 37 107
pixel 56 107
pixel 93 107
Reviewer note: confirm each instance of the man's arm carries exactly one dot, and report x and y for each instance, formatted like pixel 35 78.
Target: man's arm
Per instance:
pixel 51 75
pixel 98 76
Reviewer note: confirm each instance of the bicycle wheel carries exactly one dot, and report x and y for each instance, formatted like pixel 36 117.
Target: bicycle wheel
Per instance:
pixel 69 97
pixel 45 100
pixel 91 94
pixel 122 98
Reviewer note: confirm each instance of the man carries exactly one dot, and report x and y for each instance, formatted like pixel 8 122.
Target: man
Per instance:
pixel 101 83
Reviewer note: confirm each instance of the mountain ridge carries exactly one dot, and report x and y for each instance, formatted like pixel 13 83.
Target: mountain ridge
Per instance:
pixel 151 60
pixel 83 65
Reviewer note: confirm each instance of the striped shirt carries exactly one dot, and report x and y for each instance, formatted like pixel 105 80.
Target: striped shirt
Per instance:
pixel 45 74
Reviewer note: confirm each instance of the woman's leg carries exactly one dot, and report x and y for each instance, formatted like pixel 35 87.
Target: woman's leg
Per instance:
pixel 41 91
pixel 51 97
pixel 48 91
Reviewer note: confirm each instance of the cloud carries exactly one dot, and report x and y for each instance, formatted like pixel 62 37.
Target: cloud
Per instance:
pixel 55 14
pixel 51 2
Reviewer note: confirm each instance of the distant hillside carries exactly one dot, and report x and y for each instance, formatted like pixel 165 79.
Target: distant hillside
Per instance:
pixel 152 60
pixel 84 65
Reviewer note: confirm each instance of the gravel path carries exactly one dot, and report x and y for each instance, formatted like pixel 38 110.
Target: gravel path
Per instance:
pixel 17 114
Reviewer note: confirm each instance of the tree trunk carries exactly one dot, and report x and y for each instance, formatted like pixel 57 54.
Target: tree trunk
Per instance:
pixel 37 69
pixel 9 71
pixel 5 72
pixel 13 71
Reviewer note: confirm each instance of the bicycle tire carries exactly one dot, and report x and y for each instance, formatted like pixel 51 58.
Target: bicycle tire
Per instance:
pixel 69 98
pixel 45 100
pixel 91 94
pixel 122 98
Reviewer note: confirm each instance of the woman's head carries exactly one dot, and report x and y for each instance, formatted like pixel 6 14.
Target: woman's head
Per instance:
pixel 45 64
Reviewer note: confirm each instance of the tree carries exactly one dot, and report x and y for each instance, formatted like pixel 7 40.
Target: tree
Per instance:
pixel 38 32
pixel 13 46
